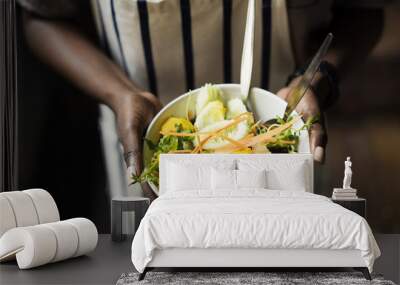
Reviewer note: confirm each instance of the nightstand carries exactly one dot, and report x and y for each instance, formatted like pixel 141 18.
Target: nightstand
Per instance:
pixel 358 206
pixel 119 205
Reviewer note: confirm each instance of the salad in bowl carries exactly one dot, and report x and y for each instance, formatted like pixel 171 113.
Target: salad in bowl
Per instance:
pixel 216 119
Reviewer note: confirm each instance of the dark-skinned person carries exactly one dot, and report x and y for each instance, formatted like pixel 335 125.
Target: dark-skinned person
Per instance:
pixel 150 52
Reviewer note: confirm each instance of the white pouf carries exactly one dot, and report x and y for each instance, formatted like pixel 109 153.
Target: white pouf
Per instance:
pixel 31 231
pixel 23 208
pixel 33 246
pixel 7 220
pixel 40 244
pixel 45 205
pixel 67 240
pixel 87 233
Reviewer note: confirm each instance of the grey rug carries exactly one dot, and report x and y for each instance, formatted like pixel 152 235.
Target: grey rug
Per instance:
pixel 232 278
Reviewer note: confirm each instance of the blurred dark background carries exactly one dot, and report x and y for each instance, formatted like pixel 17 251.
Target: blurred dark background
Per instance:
pixel 59 141
pixel 365 124
pixel 60 147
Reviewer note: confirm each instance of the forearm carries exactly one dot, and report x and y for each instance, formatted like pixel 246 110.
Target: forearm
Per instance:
pixel 64 47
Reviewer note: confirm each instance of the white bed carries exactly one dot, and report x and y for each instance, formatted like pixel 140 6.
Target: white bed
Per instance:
pixel 248 227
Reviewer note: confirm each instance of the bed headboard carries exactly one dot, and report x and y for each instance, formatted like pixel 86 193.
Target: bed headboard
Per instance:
pixel 214 159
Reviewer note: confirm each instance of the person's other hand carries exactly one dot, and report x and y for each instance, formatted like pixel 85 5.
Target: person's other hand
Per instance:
pixel 134 112
pixel 309 106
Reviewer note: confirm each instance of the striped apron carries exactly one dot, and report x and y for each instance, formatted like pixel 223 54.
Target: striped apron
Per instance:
pixel 170 46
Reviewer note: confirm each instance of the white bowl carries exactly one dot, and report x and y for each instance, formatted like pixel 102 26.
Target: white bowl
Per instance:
pixel 264 105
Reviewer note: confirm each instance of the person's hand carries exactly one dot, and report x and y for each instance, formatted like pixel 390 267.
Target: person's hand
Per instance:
pixel 134 112
pixel 309 106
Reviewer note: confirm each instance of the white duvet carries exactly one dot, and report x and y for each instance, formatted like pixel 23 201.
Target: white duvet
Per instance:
pixel 253 218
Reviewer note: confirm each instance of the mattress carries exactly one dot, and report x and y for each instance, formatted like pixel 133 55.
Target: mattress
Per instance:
pixel 250 219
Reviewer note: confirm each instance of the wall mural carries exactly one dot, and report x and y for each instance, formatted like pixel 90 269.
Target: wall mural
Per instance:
pixel 8 96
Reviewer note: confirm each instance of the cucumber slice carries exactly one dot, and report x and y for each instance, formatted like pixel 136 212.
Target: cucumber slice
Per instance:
pixel 236 132
pixel 235 108
pixel 213 112
pixel 208 93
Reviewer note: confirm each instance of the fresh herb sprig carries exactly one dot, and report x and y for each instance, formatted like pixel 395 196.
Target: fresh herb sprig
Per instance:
pixel 288 140
pixel 166 144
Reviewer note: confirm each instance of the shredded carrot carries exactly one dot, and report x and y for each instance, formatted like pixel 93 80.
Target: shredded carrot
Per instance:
pixel 181 151
pixel 271 127
pixel 203 142
pixel 235 121
pixel 234 142
pixel 217 132
pixel 210 135
pixel 263 138
pixel 253 127
pixel 198 141
pixel 273 133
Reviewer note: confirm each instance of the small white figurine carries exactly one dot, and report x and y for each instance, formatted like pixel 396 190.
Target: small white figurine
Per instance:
pixel 347 192
pixel 347 174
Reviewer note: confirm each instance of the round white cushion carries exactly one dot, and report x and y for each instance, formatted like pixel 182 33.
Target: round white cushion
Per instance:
pixel 40 244
pixel 33 246
pixel 67 240
pixel 45 205
pixel 87 233
pixel 7 218
pixel 23 208
pixel 26 208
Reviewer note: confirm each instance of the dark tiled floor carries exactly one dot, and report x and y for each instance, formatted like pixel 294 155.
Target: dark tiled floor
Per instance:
pixel 389 262
pixel 110 260
pixel 103 266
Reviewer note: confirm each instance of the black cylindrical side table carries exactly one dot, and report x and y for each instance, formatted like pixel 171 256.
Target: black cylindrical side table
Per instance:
pixel 119 205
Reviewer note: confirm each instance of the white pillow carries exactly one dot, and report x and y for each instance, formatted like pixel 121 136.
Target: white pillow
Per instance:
pixel 292 179
pixel 184 177
pixel 237 179
pixel 223 179
pixel 291 175
pixel 251 178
